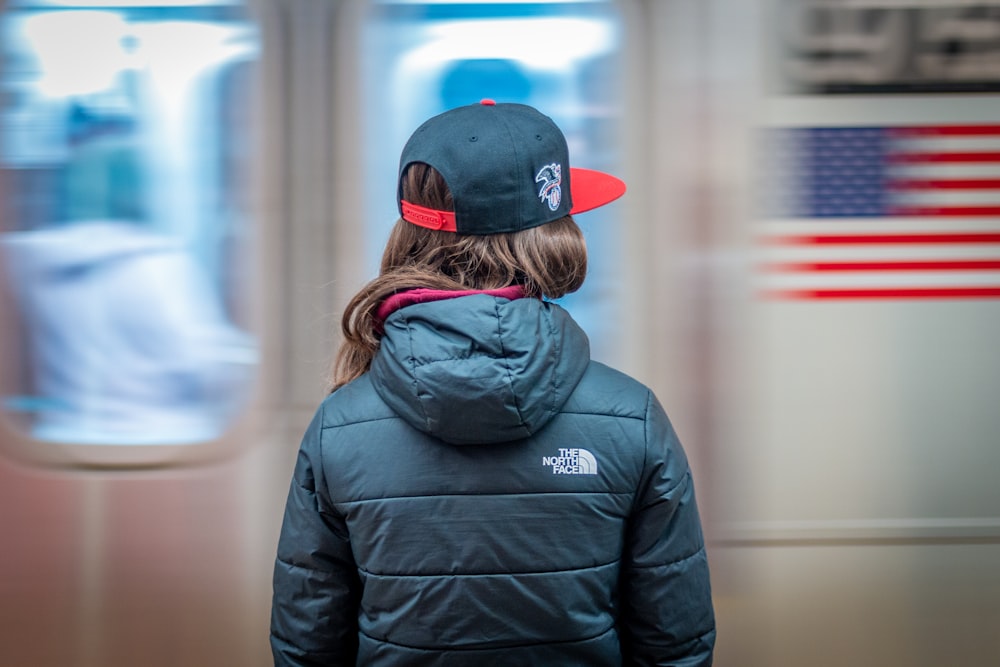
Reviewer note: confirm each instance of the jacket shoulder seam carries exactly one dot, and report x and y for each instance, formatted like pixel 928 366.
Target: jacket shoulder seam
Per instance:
pixel 588 413
pixel 355 422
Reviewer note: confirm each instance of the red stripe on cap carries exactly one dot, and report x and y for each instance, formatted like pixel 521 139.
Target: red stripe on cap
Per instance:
pixel 590 189
pixel 428 217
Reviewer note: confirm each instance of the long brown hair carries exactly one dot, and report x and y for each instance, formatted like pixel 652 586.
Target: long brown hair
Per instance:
pixel 547 261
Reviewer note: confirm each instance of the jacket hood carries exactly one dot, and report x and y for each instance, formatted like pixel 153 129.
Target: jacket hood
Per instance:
pixel 479 369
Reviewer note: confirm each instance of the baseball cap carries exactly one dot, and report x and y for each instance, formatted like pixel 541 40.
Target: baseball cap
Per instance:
pixel 507 167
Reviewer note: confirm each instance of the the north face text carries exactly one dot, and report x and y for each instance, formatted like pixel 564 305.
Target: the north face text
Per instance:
pixel 571 461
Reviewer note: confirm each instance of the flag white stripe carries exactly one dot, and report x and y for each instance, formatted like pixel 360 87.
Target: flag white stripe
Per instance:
pixel 945 197
pixel 944 144
pixel 901 225
pixel 943 170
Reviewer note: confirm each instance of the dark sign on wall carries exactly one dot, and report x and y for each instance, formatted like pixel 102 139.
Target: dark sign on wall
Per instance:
pixel 844 46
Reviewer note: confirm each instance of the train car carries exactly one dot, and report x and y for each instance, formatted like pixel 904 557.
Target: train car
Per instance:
pixel 805 269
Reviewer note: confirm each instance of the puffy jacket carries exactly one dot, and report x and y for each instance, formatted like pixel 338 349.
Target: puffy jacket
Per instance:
pixel 489 495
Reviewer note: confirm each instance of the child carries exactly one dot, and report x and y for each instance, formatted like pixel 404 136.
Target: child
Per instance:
pixel 476 490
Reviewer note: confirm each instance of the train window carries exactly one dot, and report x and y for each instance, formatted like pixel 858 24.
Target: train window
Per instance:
pixel 422 58
pixel 126 226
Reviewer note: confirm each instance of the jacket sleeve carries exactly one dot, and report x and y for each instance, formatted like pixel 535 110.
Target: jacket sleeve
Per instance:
pixel 316 583
pixel 667 613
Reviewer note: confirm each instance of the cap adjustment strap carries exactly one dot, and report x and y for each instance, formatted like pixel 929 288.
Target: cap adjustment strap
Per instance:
pixel 428 217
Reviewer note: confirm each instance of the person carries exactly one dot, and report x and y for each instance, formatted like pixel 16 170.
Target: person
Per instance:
pixel 476 490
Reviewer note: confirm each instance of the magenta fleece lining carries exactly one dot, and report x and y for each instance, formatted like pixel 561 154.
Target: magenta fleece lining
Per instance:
pixel 424 295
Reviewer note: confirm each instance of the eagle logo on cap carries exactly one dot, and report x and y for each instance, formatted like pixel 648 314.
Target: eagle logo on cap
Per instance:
pixel 550 176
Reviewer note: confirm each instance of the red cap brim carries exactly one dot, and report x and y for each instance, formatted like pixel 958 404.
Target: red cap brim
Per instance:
pixel 590 189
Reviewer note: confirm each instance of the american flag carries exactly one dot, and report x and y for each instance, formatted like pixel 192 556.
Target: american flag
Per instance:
pixel 881 212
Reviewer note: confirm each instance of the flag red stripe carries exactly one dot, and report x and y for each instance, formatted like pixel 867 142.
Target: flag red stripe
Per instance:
pixel 947 131
pixel 886 293
pixel 964 157
pixel 876 239
pixel 945 211
pixel 944 184
pixel 890 265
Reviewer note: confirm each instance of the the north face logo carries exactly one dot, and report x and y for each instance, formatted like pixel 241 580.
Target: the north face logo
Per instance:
pixel 571 461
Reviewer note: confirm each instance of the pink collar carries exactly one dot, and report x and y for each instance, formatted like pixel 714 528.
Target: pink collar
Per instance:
pixel 424 295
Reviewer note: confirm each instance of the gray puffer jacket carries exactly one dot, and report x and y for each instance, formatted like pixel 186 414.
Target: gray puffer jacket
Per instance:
pixel 488 495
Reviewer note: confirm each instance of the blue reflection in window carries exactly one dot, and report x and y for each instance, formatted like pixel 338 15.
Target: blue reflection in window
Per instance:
pixel 126 218
pixel 562 58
